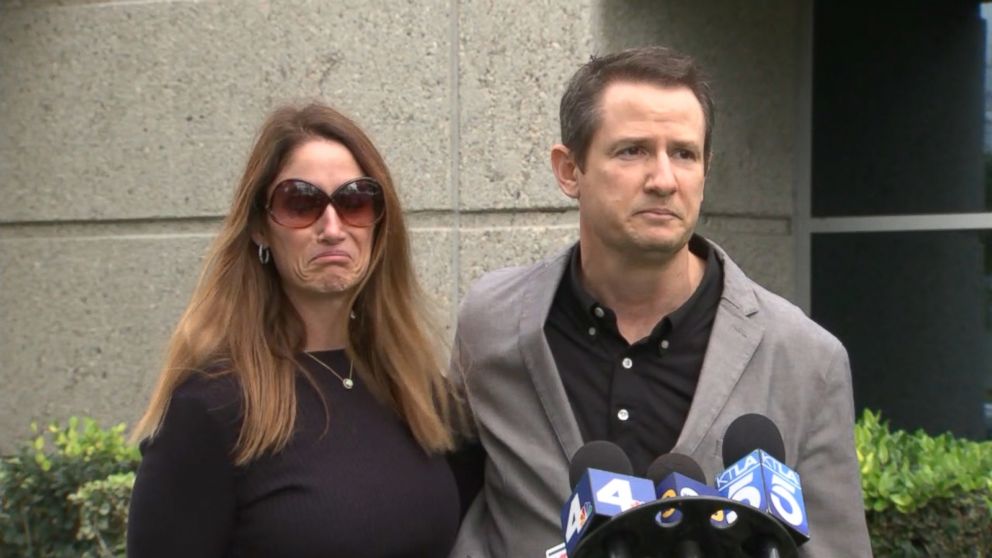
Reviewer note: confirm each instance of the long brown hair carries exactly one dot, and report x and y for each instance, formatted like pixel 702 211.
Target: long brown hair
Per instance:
pixel 239 321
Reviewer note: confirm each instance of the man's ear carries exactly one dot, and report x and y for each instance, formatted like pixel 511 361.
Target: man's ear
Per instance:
pixel 566 171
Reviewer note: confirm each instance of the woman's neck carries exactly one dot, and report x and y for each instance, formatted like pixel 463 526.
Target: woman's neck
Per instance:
pixel 325 319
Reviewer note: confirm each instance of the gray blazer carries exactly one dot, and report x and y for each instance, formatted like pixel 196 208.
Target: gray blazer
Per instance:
pixel 764 356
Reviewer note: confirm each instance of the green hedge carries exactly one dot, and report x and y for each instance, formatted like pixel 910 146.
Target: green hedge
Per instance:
pixel 924 495
pixel 66 492
pixel 49 506
pixel 102 506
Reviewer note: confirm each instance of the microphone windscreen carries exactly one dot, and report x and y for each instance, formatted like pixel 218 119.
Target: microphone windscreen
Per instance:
pixel 598 454
pixel 750 432
pixel 670 463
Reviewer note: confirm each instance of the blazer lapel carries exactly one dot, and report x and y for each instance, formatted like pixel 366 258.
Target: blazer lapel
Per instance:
pixel 535 305
pixel 733 341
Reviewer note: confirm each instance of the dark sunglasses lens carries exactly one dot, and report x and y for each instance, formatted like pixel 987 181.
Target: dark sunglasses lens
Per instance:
pixel 359 203
pixel 297 204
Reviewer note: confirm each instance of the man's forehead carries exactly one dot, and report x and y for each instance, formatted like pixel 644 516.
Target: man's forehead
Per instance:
pixel 634 104
pixel 649 96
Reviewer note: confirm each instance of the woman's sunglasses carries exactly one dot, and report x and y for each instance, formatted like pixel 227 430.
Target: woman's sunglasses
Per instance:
pixel 297 204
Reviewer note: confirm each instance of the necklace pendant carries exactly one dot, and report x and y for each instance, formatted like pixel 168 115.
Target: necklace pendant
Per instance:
pixel 348 383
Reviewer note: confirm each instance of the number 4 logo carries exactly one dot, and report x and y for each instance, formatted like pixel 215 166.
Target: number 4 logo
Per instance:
pixel 618 493
pixel 575 519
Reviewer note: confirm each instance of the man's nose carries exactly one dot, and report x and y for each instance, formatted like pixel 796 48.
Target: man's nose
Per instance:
pixel 662 178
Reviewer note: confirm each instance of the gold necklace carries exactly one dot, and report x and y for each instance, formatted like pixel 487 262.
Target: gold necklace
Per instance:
pixel 348 382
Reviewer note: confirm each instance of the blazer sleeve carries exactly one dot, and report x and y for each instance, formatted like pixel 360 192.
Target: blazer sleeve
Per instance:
pixel 829 470
pixel 468 462
pixel 183 502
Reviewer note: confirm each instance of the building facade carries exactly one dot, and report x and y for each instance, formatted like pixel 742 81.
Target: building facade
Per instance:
pixel 124 124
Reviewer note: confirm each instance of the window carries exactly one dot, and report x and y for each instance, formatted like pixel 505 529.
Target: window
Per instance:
pixel 896 228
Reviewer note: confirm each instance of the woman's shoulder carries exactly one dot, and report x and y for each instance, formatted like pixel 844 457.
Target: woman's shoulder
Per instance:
pixel 213 390
pixel 203 410
pixel 201 425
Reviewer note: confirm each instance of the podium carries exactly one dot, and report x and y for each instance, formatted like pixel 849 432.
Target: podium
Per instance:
pixel 648 536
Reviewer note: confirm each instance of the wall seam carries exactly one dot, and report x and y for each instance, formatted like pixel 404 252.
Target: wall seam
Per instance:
pixel 454 182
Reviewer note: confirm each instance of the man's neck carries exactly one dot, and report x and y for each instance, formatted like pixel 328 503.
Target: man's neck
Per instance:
pixel 640 290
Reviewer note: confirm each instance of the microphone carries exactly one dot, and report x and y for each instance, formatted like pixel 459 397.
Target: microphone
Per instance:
pixel 600 474
pixel 753 453
pixel 676 475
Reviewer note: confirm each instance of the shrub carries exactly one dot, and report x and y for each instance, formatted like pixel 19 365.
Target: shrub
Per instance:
pixel 924 496
pixel 38 517
pixel 103 506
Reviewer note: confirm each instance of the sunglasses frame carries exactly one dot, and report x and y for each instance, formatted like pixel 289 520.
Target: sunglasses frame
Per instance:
pixel 329 200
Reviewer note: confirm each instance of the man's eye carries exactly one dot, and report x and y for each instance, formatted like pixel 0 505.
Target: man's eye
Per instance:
pixel 631 151
pixel 685 154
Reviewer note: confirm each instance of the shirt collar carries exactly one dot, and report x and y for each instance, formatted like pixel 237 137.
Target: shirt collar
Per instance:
pixel 587 303
pixel 697 245
pixel 709 281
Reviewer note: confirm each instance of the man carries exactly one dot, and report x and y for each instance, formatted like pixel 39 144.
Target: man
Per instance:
pixel 644 333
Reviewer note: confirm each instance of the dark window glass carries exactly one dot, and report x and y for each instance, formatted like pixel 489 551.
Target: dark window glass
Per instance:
pixel 914 310
pixel 898 108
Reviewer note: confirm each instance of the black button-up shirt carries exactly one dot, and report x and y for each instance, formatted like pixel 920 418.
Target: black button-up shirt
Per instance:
pixel 635 395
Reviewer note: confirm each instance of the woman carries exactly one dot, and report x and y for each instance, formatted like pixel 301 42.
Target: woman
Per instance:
pixel 301 410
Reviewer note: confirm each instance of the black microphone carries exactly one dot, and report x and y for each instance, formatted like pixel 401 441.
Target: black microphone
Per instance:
pixel 600 474
pixel 749 432
pixel 598 454
pixel 684 472
pixel 678 476
pixel 753 453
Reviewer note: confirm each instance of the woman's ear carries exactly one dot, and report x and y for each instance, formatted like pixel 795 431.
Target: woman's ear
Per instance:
pixel 258 234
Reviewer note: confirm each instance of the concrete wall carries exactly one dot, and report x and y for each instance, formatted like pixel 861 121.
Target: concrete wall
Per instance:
pixel 123 125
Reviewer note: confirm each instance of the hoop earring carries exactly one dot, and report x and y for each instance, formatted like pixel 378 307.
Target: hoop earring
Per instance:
pixel 264 254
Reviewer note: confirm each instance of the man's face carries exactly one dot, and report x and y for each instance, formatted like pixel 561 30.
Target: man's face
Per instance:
pixel 642 184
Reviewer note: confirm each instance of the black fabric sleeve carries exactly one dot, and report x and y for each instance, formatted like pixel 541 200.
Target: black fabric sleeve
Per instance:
pixel 184 501
pixel 468 465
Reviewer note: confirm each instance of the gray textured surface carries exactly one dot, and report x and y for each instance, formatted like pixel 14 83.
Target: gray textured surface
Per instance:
pixel 514 62
pixel 146 110
pixel 749 52
pixel 85 322
pixel 124 124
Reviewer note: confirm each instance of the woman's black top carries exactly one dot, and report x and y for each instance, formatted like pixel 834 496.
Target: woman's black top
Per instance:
pixel 365 488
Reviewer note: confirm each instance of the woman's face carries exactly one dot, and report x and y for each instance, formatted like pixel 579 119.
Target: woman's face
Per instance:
pixel 329 257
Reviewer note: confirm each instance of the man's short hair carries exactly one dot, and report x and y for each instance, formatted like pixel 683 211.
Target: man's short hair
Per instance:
pixel 656 65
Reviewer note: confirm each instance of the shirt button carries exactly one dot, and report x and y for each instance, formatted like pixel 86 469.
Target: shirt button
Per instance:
pixel 663 344
pixel 627 363
pixel 592 331
pixel 598 312
pixel 623 414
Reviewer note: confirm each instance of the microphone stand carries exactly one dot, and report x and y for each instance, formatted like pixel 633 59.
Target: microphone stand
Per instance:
pixel 618 547
pixel 640 532
pixel 768 548
pixel 688 549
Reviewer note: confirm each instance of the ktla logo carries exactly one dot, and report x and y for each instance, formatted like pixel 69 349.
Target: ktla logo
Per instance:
pixel 761 481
